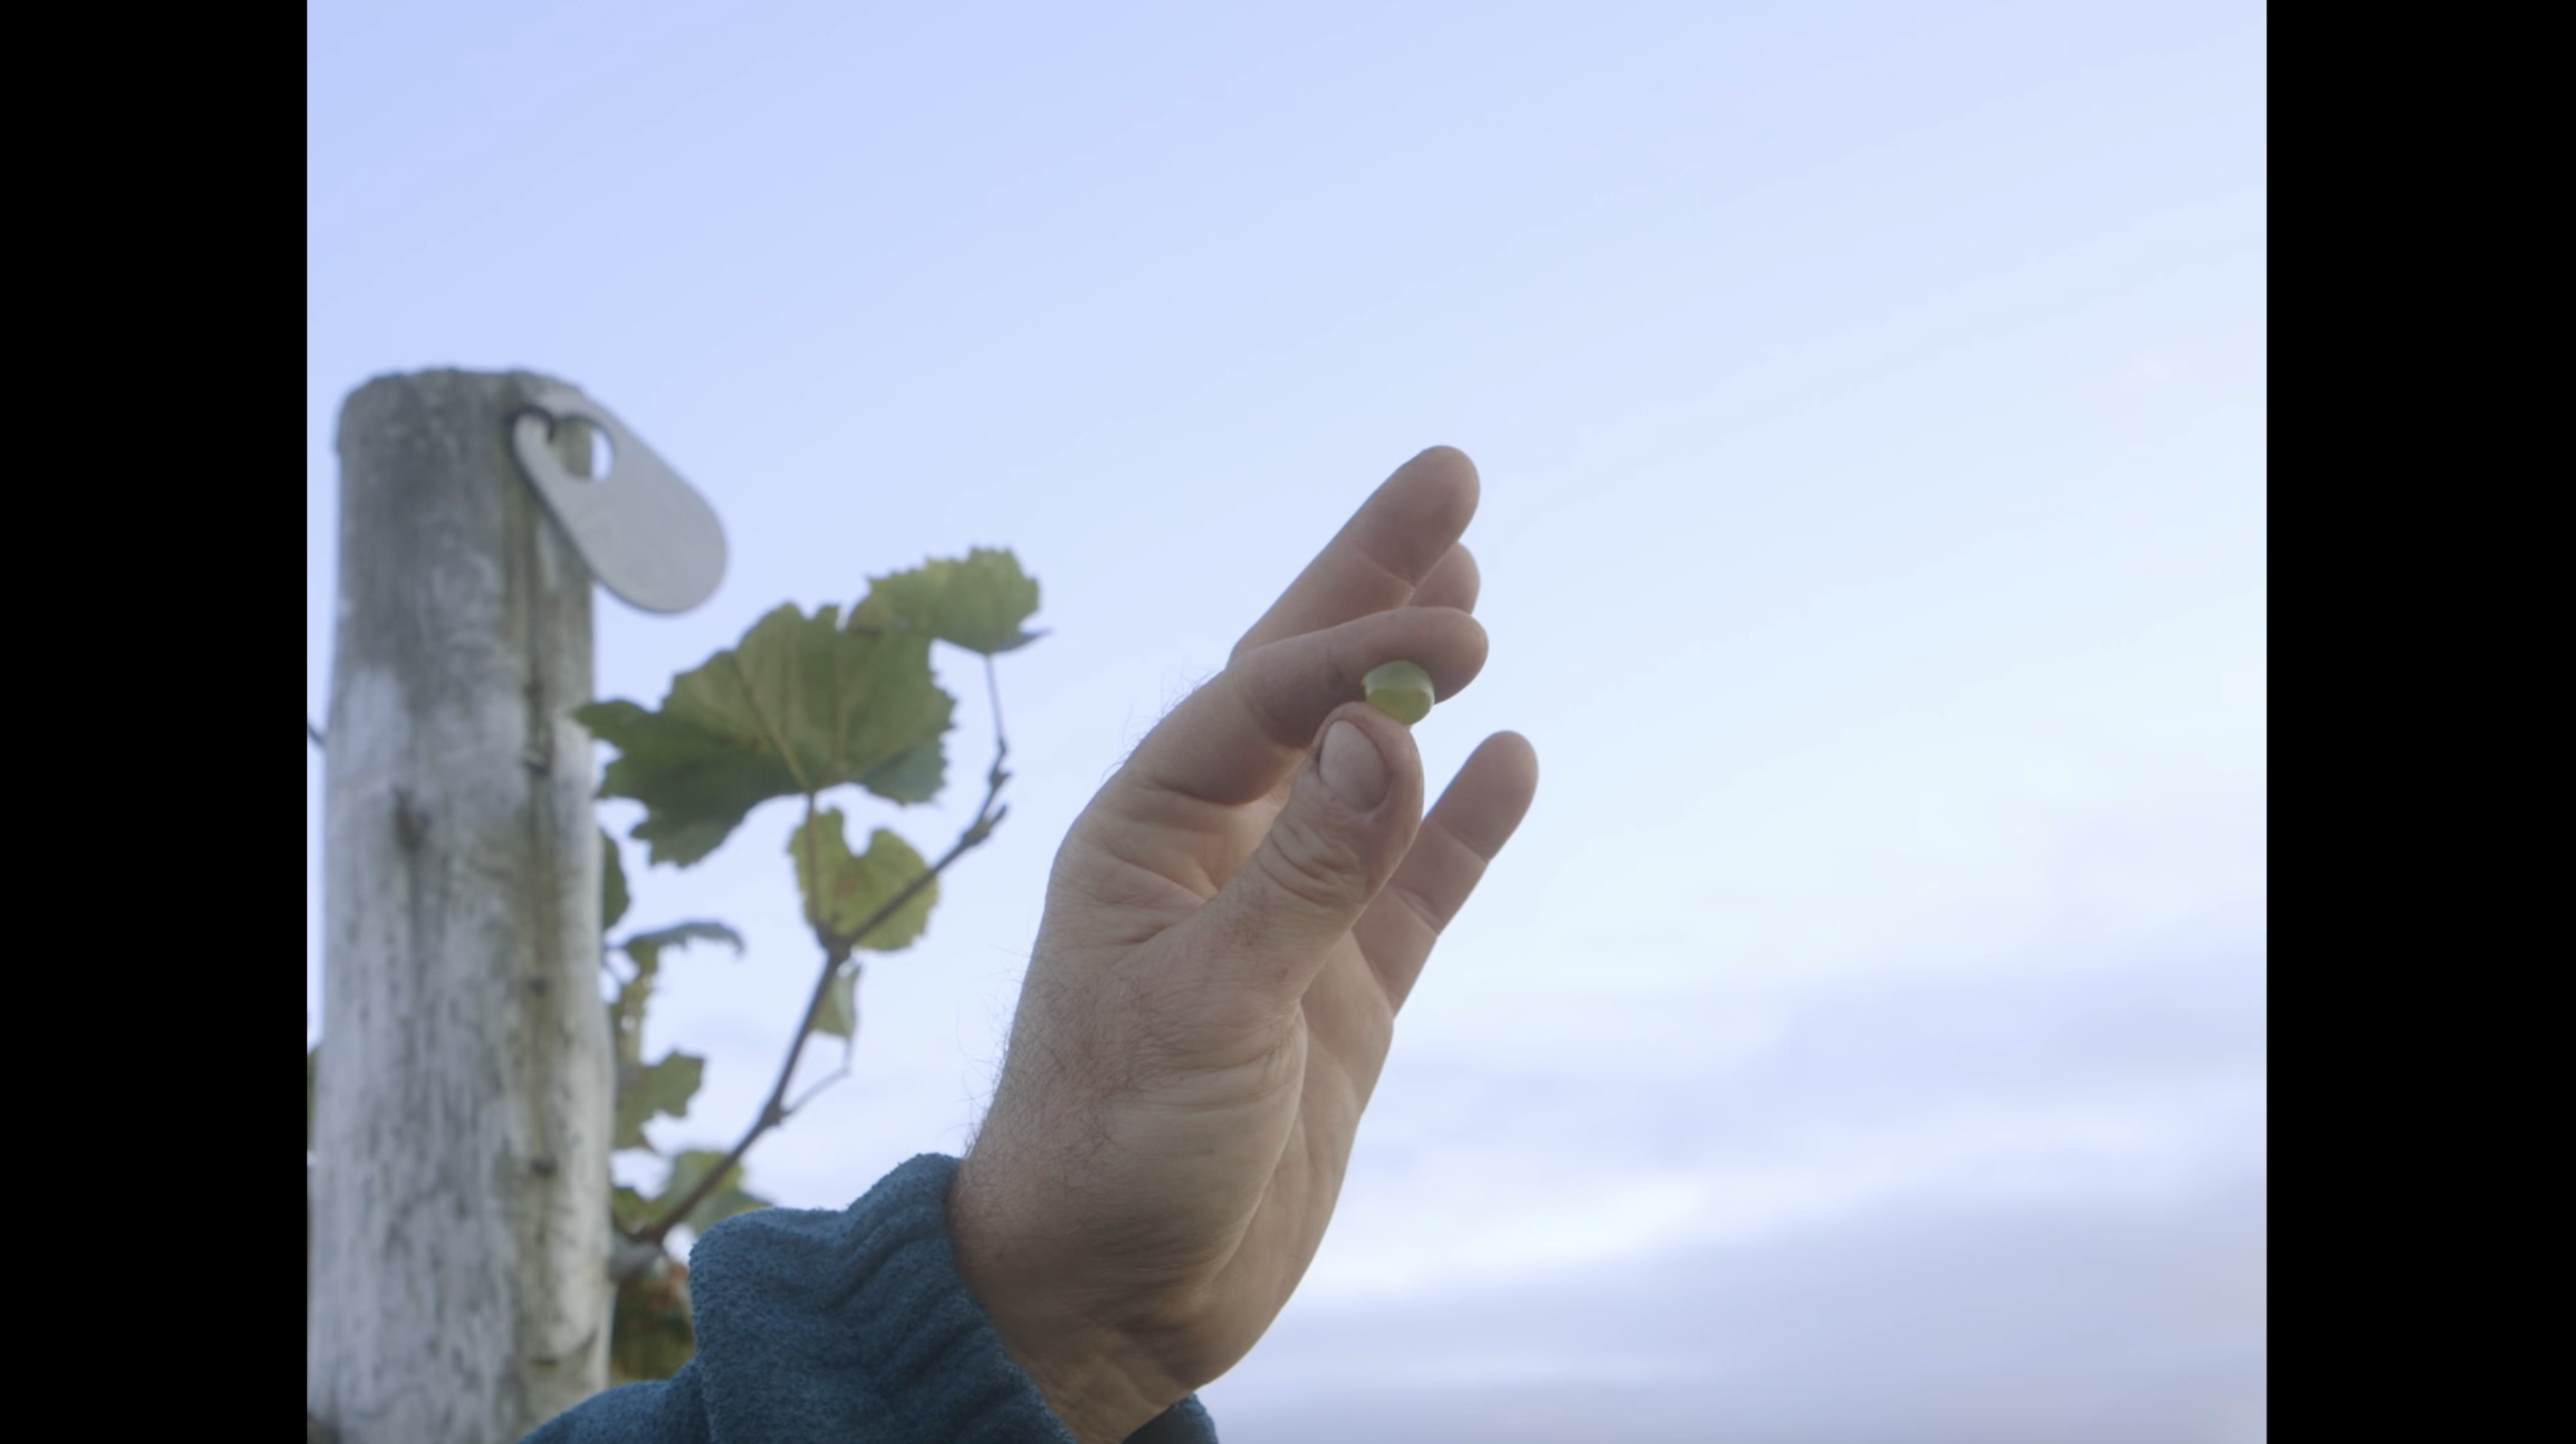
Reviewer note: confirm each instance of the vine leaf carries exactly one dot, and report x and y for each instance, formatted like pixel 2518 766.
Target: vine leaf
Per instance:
pixel 613 898
pixel 912 775
pixel 838 1017
pixel 978 603
pixel 842 892
pixel 643 1092
pixel 800 705
pixel 661 1089
pixel 647 948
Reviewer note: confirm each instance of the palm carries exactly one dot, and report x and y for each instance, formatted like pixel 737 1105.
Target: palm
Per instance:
pixel 1277 1124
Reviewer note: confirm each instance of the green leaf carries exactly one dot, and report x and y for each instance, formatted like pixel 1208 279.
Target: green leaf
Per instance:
pixel 843 892
pixel 612 882
pixel 646 948
pixel 728 1199
pixel 978 603
pixel 626 1014
pixel 912 775
pixel 663 1089
pixel 800 705
pixel 839 1015
pixel 631 1210
pixel 626 1018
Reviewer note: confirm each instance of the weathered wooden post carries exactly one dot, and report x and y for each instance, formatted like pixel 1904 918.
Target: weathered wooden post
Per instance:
pixel 460 1226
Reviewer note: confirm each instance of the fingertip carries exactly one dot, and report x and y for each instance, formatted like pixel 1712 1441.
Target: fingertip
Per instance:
pixel 1484 805
pixel 1447 642
pixel 1448 457
pixel 1397 764
pixel 1393 739
pixel 1517 753
pixel 1435 493
pixel 1470 663
pixel 1353 765
pixel 1508 761
pixel 1441 454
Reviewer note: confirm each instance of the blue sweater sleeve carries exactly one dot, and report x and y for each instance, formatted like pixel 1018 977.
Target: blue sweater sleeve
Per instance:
pixel 850 1326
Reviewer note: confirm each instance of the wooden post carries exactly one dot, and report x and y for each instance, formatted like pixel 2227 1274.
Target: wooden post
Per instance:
pixel 460 1228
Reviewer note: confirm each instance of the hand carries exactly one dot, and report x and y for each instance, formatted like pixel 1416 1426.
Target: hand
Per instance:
pixel 1229 931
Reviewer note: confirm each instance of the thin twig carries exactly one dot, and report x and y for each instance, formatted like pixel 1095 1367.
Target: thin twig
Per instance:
pixel 993 689
pixel 776 1110
pixel 849 1046
pixel 813 888
pixel 826 1081
pixel 835 1076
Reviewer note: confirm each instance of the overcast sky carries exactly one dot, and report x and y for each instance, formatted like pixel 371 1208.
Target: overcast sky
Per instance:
pixel 1864 1038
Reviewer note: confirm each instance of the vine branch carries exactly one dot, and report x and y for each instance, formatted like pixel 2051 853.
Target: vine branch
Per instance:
pixel 836 952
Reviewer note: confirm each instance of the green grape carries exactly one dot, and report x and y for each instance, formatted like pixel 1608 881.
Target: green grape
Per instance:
pixel 1401 690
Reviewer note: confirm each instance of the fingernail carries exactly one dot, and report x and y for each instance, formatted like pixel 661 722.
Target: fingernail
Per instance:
pixel 1352 767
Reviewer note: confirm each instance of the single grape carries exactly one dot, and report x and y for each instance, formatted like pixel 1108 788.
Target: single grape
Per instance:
pixel 1401 690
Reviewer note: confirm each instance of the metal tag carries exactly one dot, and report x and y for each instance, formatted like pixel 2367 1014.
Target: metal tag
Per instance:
pixel 645 534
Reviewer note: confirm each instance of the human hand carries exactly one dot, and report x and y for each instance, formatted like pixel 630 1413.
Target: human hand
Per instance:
pixel 1230 928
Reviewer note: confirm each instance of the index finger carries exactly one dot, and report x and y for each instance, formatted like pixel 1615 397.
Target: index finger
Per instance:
pixel 1235 738
pixel 1389 547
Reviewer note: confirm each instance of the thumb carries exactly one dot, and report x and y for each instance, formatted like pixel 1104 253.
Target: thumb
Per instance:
pixel 1351 815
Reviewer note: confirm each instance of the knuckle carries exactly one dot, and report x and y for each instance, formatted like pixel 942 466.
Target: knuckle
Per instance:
pixel 1419 908
pixel 1312 869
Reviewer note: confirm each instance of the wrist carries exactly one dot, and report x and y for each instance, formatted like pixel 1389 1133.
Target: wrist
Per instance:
pixel 1097 1402
pixel 1081 1367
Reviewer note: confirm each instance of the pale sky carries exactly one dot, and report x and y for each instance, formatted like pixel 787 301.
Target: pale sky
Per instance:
pixel 1864 1039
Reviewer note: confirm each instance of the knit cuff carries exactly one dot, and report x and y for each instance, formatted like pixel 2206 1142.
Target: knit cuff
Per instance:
pixel 855 1325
